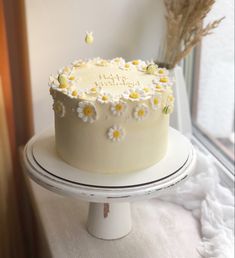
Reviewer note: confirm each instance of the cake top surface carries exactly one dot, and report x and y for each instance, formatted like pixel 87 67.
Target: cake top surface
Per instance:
pixel 111 80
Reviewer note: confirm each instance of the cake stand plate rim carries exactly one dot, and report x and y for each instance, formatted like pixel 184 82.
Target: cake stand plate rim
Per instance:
pixel 36 167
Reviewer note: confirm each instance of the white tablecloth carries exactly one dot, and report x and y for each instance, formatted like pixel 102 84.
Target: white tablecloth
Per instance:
pixel 160 230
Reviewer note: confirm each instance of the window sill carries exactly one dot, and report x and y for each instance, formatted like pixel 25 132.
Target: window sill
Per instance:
pixel 226 176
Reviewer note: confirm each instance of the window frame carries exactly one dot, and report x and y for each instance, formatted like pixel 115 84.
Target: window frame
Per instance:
pixel 191 68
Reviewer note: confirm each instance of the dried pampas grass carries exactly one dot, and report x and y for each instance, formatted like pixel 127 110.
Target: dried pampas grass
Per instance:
pixel 185 28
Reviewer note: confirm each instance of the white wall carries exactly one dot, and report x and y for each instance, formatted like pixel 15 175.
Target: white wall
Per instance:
pixel 56 29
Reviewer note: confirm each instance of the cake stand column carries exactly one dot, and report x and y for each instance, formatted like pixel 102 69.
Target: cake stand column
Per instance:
pixel 109 220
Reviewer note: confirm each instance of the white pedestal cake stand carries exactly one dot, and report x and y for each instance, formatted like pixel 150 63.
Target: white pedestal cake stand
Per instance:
pixel 109 195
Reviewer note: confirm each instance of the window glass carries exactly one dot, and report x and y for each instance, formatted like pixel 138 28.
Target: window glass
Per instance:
pixel 213 93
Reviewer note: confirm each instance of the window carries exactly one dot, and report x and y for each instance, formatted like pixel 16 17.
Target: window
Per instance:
pixel 212 94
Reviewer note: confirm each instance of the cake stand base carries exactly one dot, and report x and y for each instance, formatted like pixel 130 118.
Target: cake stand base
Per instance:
pixel 109 195
pixel 109 220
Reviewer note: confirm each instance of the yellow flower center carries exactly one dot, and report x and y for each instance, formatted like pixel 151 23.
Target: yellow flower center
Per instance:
pixel 161 71
pixel 118 107
pixel 141 112
pixel 105 98
pixel 103 62
pixel 66 69
pixel 93 90
pixel 158 86
pixel 171 98
pixel 135 62
pixel 146 89
pixel 63 85
pixel 116 134
pixel 58 108
pixel 88 111
pixel 164 79
pixel 134 95
pixel 127 65
pixel 155 101
pixel 75 93
pixel 72 78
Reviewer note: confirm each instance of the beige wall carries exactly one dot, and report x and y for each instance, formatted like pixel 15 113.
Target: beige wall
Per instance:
pixel 56 29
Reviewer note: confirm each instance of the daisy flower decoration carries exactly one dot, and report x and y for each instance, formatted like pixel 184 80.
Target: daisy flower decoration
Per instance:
pixel 169 106
pixel 139 64
pixel 73 92
pixel 116 133
pixel 73 76
pixel 156 101
pixel 161 83
pixel 118 61
pixel 87 111
pixel 148 89
pixel 93 90
pixel 162 72
pixel 142 66
pixel 104 98
pixel 53 81
pixel 158 87
pixel 65 70
pixel 163 80
pixel 79 63
pixel 118 108
pixel 126 66
pixel 102 62
pixel 135 94
pixel 141 111
pixel 59 108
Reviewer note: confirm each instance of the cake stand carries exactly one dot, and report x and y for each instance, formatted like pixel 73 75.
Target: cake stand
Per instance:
pixel 109 195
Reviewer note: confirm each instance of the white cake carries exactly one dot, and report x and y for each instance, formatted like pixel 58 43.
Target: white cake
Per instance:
pixel 111 116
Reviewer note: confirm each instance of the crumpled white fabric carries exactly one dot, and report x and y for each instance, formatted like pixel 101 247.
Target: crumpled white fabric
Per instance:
pixel 212 204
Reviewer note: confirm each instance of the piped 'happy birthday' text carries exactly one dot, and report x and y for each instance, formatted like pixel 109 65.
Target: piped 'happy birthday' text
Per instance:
pixel 115 80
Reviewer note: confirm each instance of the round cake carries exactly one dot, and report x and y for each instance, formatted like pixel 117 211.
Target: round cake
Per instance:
pixel 111 116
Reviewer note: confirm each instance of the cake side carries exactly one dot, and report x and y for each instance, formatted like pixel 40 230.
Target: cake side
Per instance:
pixel 112 119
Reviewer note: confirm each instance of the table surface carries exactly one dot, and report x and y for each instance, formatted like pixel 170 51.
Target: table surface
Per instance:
pixel 160 230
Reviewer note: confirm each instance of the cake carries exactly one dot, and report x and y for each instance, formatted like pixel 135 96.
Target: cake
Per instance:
pixel 111 116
